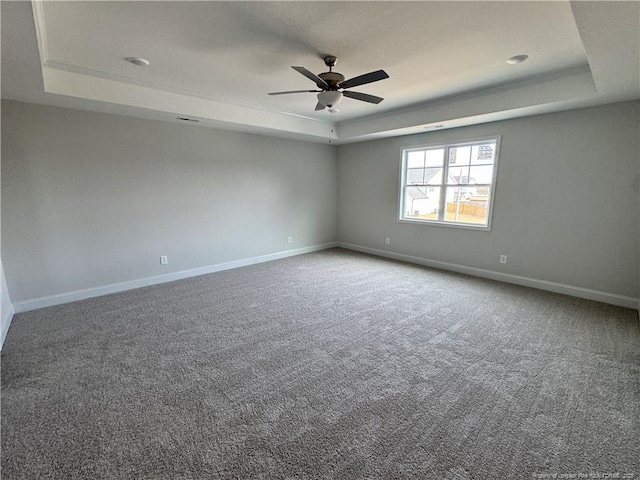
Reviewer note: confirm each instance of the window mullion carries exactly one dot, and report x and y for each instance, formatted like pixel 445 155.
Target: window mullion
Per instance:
pixel 443 188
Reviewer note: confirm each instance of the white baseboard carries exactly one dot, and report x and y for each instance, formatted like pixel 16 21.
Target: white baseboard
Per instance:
pixel 597 295
pixel 579 292
pixel 59 299
pixel 6 323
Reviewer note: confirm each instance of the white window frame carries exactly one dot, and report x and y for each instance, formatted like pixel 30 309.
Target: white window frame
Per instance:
pixel 447 146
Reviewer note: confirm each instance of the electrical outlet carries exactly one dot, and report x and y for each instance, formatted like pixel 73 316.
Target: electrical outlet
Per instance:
pixel 164 260
pixel 503 259
pixel 289 239
pixel 387 241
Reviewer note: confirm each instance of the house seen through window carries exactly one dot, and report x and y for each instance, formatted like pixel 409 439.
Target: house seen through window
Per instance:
pixel 449 184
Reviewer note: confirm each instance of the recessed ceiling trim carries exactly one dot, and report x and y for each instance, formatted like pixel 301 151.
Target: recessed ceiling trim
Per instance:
pixel 41 30
pixel 157 86
pixel 92 88
pixel 540 90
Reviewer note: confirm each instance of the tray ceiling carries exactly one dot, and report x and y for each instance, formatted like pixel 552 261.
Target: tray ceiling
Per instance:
pixel 215 62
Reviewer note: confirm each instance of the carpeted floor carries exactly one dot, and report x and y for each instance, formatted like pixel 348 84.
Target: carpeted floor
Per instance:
pixel 332 365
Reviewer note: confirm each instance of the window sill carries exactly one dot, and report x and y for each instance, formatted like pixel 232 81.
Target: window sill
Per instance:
pixel 465 226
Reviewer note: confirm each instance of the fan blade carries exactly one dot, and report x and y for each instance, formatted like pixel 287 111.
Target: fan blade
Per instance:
pixel 363 79
pixel 293 91
pixel 365 97
pixel 318 81
pixel 319 106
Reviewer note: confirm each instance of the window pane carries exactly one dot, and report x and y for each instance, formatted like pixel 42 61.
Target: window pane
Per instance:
pixel 467 205
pixel 458 175
pixel 481 174
pixel 433 175
pixel 421 202
pixel 415 159
pixel 459 155
pixel 461 193
pixel 415 176
pixel 484 153
pixel 435 158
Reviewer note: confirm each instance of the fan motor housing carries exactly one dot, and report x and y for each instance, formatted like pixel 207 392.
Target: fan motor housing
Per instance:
pixel 332 79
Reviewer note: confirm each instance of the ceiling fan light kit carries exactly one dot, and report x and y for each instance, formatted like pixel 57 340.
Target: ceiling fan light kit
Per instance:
pixel 333 86
pixel 329 98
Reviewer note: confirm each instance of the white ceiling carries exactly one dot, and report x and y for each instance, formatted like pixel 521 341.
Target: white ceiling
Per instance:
pixel 216 61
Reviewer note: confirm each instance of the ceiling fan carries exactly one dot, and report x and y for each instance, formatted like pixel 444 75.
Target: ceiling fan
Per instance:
pixel 333 87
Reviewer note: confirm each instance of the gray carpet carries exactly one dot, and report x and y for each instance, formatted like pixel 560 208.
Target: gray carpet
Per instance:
pixel 332 365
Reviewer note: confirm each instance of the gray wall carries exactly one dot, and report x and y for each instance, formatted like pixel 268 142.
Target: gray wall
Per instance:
pixel 90 199
pixel 566 204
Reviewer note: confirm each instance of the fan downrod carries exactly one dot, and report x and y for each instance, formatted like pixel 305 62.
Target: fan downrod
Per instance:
pixel 331 78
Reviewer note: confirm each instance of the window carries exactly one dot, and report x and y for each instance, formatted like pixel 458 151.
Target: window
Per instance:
pixel 449 184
